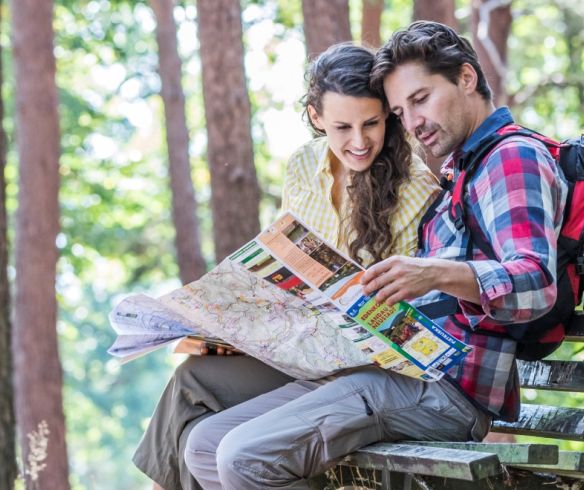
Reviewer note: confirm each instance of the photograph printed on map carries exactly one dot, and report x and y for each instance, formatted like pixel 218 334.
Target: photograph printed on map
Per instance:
pixel 256 267
pixel 400 331
pixel 309 243
pixel 285 279
pixel 356 333
pixel 295 232
pixel 328 258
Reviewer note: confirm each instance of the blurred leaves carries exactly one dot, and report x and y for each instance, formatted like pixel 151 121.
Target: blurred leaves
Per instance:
pixel 117 235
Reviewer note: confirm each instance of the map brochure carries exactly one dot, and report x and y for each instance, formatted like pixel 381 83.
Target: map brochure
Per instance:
pixel 293 301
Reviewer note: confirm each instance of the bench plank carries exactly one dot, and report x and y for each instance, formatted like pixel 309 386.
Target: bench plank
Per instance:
pixel 567 461
pixel 508 452
pixel 552 375
pixel 422 460
pixel 546 421
pixel 512 478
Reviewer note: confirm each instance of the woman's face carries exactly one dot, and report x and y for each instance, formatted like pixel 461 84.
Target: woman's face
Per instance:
pixel 354 127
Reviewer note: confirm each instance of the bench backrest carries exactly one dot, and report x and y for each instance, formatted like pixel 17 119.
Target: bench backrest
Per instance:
pixel 551 375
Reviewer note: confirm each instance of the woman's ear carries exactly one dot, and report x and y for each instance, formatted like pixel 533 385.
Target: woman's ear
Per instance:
pixel 314 117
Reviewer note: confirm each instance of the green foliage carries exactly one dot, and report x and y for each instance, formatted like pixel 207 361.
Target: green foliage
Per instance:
pixel 117 235
pixel 546 61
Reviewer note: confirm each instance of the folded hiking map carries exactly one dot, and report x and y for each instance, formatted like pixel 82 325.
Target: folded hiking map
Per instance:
pixel 293 301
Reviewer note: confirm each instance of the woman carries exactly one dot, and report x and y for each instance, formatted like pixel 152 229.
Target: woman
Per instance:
pixel 358 186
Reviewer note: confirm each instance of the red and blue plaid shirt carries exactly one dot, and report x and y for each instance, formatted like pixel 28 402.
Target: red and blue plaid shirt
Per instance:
pixel 516 198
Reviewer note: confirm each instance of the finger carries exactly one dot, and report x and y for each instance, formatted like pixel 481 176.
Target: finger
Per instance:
pixel 383 280
pixel 394 299
pixel 204 350
pixel 375 270
pixel 220 351
pixel 388 291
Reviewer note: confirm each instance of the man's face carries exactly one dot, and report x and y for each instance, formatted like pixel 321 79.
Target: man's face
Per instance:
pixel 431 108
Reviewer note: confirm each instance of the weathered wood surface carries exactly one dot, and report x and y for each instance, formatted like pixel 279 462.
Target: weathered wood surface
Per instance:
pixel 511 479
pixel 508 452
pixel 546 421
pixel 355 478
pixel 422 460
pixel 567 461
pixel 552 375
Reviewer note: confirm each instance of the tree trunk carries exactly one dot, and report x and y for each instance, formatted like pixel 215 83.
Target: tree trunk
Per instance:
pixel 7 421
pixel 437 11
pixel 326 22
pixel 234 185
pixel 184 206
pixel 38 377
pixel 371 22
pixel 491 24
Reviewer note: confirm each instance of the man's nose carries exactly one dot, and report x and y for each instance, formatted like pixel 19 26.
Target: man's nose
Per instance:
pixel 412 121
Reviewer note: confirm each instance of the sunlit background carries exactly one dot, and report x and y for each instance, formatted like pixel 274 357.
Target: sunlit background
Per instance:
pixel 117 233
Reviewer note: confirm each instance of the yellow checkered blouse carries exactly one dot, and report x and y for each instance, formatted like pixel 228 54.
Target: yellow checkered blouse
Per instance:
pixel 307 193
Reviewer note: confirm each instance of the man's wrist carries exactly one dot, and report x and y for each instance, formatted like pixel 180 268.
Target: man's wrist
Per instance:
pixel 455 278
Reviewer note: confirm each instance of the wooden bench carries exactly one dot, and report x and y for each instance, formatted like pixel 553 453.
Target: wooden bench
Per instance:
pixel 429 465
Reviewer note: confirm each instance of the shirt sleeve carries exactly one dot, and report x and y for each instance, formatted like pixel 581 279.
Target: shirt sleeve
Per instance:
pixel 517 199
pixel 415 197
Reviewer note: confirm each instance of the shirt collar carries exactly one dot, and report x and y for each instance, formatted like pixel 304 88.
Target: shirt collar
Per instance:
pixel 324 161
pixel 501 117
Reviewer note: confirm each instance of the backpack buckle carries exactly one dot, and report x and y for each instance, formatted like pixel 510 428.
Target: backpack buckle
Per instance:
pixel 580 266
pixel 457 218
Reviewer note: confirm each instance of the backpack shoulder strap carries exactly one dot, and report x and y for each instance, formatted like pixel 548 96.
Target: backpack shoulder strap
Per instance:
pixel 469 163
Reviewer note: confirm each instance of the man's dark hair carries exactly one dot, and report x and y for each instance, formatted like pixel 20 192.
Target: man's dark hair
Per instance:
pixel 436 46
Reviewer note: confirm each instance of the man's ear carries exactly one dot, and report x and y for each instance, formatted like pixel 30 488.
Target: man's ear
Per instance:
pixel 314 117
pixel 468 78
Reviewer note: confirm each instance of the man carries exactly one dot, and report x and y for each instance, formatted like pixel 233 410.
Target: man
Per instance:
pixel 435 86
pixel 437 89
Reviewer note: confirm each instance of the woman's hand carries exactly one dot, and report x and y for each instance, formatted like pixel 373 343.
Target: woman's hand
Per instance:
pixel 219 350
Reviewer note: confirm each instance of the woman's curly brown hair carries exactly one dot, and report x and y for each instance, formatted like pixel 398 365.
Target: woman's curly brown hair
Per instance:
pixel 373 193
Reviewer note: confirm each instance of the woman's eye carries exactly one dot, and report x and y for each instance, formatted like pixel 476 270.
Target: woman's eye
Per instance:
pixel 421 99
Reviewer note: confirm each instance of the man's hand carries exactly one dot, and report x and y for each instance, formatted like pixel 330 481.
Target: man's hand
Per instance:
pixel 400 278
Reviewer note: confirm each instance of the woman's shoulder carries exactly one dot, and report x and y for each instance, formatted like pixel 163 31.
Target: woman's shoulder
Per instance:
pixel 420 189
pixel 422 180
pixel 419 169
pixel 309 154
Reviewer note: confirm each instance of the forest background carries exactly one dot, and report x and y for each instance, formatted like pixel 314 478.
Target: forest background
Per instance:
pixel 143 141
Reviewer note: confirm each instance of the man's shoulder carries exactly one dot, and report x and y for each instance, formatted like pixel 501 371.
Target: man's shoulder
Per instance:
pixel 517 149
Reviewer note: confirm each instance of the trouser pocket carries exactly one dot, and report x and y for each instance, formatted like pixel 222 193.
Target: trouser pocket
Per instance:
pixel 344 425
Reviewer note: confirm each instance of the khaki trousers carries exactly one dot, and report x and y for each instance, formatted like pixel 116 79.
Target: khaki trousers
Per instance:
pixel 200 387
pixel 282 438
